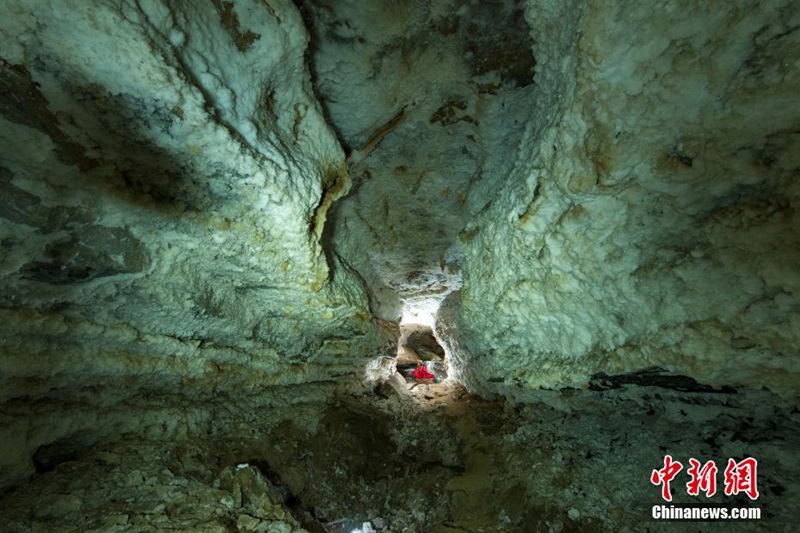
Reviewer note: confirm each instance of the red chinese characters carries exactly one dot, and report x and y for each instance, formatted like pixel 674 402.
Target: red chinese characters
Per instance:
pixel 741 477
pixel 702 479
pixel 665 476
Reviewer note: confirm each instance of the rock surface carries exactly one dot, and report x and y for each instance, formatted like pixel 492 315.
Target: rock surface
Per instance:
pixel 212 215
pixel 650 217
pixel 435 462
pixel 166 176
pixel 430 100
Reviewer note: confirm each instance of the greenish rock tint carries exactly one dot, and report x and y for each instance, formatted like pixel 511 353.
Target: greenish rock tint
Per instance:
pixel 161 217
pixel 213 216
pixel 92 253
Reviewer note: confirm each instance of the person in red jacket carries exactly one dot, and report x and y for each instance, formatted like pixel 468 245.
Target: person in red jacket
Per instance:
pixel 422 372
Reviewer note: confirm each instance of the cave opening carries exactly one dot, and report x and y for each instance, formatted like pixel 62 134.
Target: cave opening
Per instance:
pixel 418 344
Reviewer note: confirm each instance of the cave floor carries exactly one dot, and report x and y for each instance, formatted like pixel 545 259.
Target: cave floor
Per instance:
pixel 439 460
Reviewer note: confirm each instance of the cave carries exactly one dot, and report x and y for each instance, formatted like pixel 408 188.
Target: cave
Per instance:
pixel 226 225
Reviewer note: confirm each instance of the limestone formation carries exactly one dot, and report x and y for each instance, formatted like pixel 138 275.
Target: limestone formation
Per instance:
pixel 166 178
pixel 214 215
pixel 650 217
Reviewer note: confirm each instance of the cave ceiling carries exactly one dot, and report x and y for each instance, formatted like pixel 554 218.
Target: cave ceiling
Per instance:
pixel 415 91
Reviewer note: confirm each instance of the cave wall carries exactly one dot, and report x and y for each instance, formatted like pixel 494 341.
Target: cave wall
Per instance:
pixel 650 218
pixel 166 174
pixel 616 185
pixel 429 100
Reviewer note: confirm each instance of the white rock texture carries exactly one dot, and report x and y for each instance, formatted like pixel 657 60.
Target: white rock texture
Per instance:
pixel 166 174
pixel 650 216
pixel 428 98
pixel 183 239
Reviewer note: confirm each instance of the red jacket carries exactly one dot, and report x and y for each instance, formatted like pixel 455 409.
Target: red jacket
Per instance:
pixel 421 372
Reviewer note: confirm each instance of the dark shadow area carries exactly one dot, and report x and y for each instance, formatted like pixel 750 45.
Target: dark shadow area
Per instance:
pixel 47 457
pixel 355 461
pixel 135 169
pixel 653 377
pixel 82 251
pixel 316 32
pixel 459 463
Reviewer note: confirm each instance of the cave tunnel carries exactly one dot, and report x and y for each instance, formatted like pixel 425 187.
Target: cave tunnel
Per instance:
pixel 229 229
pixel 417 344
